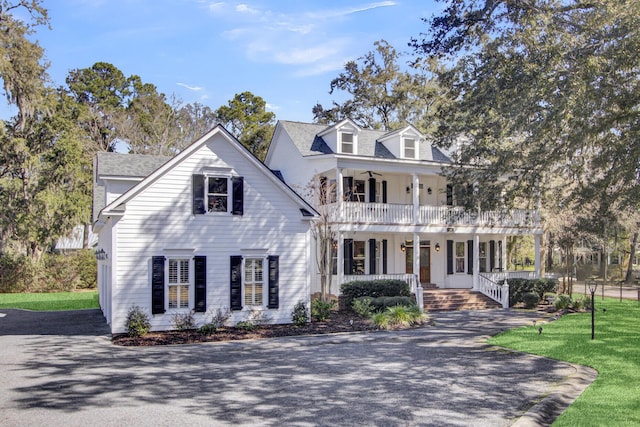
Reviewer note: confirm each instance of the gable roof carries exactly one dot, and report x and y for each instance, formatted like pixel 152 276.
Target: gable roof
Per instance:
pixel 117 206
pixel 122 166
pixel 307 138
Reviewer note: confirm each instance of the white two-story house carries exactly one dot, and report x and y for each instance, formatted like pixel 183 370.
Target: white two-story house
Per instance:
pixel 394 211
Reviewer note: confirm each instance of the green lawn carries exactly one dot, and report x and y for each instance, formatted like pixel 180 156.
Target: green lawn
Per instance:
pixel 614 398
pixel 50 301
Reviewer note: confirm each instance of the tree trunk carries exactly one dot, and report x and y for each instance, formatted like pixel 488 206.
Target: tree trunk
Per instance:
pixel 85 236
pixel 632 257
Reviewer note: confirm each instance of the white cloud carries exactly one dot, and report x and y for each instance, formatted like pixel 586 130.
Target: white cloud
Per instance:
pixel 245 8
pixel 193 88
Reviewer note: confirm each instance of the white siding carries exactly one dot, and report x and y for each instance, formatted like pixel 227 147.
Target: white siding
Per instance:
pixel 160 218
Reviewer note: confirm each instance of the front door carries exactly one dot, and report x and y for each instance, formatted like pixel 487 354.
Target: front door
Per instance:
pixel 425 263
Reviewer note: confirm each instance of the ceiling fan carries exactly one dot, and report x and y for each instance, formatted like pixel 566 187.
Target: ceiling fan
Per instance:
pixel 371 173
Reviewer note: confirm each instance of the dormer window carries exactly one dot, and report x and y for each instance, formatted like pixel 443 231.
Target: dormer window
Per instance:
pixel 409 148
pixel 347 145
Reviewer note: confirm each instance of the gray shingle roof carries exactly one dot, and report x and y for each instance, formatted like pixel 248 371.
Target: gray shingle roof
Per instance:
pixel 121 165
pixel 306 139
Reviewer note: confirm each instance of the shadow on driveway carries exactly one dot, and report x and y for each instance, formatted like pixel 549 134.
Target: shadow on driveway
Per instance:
pixel 71 322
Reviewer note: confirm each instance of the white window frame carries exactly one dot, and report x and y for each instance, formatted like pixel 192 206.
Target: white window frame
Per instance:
pixel 253 280
pixel 406 149
pixel 360 258
pixel 359 196
pixel 459 261
pixel 351 144
pixel 378 257
pixel 182 281
pixel 378 191
pixel 482 256
pixel 228 194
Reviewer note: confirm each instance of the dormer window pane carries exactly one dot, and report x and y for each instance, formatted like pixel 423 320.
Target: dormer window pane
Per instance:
pixel 347 143
pixel 410 148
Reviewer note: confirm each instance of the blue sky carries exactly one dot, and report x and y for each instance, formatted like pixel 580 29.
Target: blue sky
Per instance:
pixel 287 52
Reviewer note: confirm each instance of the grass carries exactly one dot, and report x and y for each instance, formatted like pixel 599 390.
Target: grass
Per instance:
pixel 614 397
pixel 50 301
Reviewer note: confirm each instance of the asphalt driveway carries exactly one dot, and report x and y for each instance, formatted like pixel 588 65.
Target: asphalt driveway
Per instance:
pixel 60 369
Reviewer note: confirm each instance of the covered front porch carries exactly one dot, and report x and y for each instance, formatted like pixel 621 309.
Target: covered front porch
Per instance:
pixel 471 261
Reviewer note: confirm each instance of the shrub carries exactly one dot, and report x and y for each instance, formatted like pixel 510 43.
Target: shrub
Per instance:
pixel 578 304
pixel 382 303
pixel 258 317
pixel 374 288
pixel 321 310
pixel 362 306
pixel 399 317
pixel 207 329
pixel 137 323
pixel 300 315
pixel 530 299
pixel 183 321
pixel 245 325
pixel 220 317
pixel 518 287
pixel 586 300
pixel 562 302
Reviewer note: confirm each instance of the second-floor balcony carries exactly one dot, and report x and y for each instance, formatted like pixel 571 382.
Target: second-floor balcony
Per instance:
pixel 403 214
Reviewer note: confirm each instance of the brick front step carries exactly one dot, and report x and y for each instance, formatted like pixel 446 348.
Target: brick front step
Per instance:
pixel 457 299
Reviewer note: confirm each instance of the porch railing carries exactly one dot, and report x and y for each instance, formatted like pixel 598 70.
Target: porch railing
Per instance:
pixel 493 290
pixel 499 276
pixel 387 213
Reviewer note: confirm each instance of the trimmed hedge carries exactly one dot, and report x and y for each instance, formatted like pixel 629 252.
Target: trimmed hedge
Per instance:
pixel 382 303
pixel 52 273
pixel 519 287
pixel 374 289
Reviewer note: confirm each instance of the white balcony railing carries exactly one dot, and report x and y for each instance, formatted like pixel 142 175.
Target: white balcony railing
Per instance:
pixel 384 213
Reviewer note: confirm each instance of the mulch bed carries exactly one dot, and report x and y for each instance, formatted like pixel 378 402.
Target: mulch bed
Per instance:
pixel 339 322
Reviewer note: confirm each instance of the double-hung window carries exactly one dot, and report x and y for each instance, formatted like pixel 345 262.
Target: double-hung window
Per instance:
pixel 178 283
pixel 460 257
pixel 409 148
pixel 482 256
pixel 359 257
pixel 359 191
pixel 253 281
pixel 217 194
pixel 347 143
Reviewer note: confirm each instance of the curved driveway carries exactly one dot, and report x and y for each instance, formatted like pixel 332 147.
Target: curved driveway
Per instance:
pixel 60 369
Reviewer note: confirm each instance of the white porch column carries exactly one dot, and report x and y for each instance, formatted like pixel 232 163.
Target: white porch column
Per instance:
pixel 340 260
pixel 416 199
pixel 339 192
pixel 476 262
pixel 537 238
pixel 416 256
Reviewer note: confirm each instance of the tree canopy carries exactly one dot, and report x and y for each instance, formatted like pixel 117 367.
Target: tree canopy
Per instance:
pixel 547 93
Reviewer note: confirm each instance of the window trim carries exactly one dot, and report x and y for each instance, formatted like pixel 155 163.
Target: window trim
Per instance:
pixel 405 148
pixel 457 257
pixel 188 284
pixel 353 143
pixel 207 194
pixel 265 283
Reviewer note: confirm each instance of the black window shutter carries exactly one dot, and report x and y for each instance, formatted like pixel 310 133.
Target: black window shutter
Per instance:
pixel 348 256
pixel 157 285
pixel 372 256
pixel 274 299
pixel 469 256
pixel 449 256
pixel 384 256
pixel 237 192
pixel 200 278
pixel 449 195
pixel 372 190
pixel 347 184
pixel 384 191
pixel 198 194
pixel 236 283
pixel 492 255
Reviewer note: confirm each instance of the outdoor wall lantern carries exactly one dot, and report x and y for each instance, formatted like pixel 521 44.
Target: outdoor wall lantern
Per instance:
pixel 403 247
pixel 101 255
pixel 437 247
pixel 593 285
pixel 429 190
